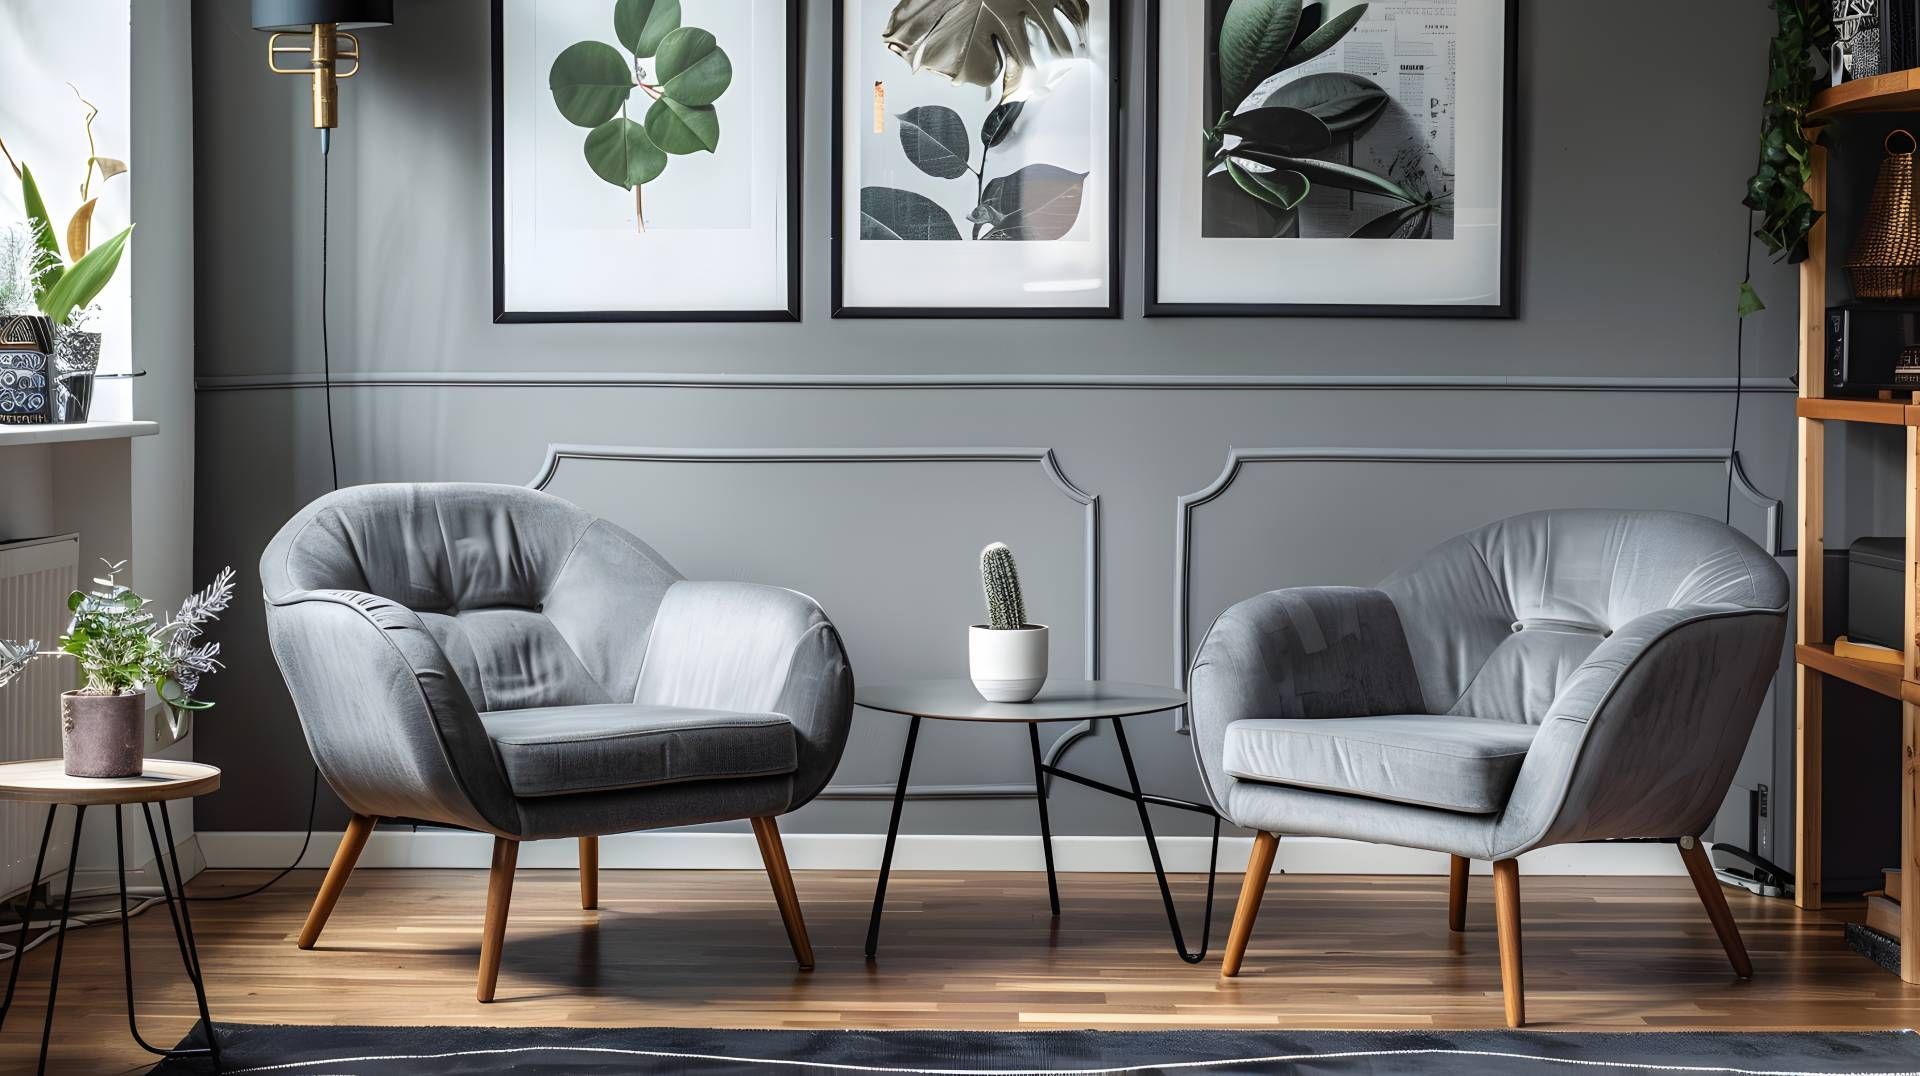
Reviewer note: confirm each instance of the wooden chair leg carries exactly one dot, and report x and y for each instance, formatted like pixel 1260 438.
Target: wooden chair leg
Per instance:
pixel 359 828
pixel 506 854
pixel 1457 893
pixel 774 855
pixel 1707 884
pixel 1506 896
pixel 1252 888
pixel 589 872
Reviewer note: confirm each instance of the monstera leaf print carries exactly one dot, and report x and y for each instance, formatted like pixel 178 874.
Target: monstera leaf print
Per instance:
pixel 981 42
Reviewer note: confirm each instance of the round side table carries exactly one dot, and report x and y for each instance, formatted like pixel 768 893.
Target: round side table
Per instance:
pixel 45 781
pixel 1060 700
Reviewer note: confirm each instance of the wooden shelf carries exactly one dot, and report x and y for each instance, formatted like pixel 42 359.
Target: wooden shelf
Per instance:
pixel 75 431
pixel 1875 677
pixel 1897 92
pixel 1881 412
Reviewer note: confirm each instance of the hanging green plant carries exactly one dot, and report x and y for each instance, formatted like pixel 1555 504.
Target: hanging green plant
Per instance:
pixel 1778 189
pixel 592 83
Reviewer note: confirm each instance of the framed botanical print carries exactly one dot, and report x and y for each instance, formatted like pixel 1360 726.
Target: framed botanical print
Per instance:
pixel 1331 157
pixel 976 158
pixel 646 160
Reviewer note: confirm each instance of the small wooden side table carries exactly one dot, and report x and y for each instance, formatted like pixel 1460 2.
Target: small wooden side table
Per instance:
pixel 45 781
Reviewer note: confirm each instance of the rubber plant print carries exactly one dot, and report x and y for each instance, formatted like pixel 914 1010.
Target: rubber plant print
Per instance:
pixel 1010 49
pixel 1272 136
pixel 679 72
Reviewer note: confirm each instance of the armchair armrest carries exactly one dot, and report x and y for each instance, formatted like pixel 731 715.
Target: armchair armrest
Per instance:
pixel 755 649
pixel 386 717
pixel 1308 652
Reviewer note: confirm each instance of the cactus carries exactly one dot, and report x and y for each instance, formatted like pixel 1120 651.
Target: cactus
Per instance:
pixel 1001 578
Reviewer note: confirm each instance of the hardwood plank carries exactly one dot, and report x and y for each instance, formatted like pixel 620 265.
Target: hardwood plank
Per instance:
pixel 1809 562
pixel 1881 412
pixel 1875 677
pixel 1897 91
pixel 706 949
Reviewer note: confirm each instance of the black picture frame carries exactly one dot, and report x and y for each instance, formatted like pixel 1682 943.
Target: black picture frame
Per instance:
pixel 796 130
pixel 1116 165
pixel 1507 307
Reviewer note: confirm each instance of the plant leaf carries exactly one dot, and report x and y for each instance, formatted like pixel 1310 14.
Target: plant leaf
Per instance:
pixel 620 152
pixel 80 230
pixel 1293 131
pixel 1341 101
pixel 84 282
pixel 890 213
pixel 52 265
pixel 642 24
pixel 1253 37
pixel 983 42
pixel 1039 202
pixel 935 140
pixel 1324 38
pixel 1329 174
pixel 999 122
pixel 679 128
pixel 1311 17
pixel 1749 299
pixel 692 67
pixel 1406 222
pixel 109 167
pixel 590 82
pixel 1281 190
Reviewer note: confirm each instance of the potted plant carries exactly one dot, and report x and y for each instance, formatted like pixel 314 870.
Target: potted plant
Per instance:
pixel 1007 657
pixel 122 650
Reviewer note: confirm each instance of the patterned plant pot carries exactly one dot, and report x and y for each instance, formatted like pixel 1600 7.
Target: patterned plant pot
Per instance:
pixel 76 359
pixel 102 735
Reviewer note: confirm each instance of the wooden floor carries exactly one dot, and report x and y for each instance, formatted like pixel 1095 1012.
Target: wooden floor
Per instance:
pixel 956 951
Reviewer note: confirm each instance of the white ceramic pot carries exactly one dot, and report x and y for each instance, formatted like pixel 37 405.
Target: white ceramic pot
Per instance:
pixel 1010 665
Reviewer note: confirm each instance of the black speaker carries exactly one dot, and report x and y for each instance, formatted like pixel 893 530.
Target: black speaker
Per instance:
pixel 1872 347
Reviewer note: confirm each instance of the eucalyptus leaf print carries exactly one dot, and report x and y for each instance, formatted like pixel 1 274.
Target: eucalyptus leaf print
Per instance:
pixel 680 73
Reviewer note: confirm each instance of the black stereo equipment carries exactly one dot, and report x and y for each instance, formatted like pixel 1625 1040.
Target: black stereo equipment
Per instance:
pixel 1872 348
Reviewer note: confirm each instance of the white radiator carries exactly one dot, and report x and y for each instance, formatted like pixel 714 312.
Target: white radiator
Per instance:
pixel 35 578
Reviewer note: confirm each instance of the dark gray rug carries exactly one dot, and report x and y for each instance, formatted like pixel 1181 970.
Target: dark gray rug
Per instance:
pixel 430 1051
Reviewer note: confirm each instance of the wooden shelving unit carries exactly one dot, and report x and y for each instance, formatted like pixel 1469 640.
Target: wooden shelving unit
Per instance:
pixel 1897 92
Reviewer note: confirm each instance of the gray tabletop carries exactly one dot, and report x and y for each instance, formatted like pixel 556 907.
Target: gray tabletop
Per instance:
pixel 1060 700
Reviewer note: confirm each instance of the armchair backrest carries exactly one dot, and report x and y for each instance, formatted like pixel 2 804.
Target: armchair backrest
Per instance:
pixel 534 601
pixel 1500 618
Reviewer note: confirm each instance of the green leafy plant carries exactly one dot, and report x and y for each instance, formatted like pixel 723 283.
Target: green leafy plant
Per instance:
pixel 122 648
pixel 1000 577
pixel 1778 189
pixel 62 287
pixel 964 41
pixel 593 83
pixel 1264 147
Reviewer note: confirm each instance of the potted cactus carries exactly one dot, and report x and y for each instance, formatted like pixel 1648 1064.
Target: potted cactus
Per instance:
pixel 122 650
pixel 1007 657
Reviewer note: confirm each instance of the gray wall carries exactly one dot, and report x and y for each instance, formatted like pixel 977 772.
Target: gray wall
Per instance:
pixel 1632 159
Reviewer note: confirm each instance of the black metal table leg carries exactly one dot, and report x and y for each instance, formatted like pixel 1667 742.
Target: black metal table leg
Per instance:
pixel 126 946
pixel 1046 829
pixel 60 939
pixel 1159 870
pixel 26 916
pixel 893 832
pixel 189 951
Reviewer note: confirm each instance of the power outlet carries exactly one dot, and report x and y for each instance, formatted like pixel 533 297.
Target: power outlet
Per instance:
pixel 163 735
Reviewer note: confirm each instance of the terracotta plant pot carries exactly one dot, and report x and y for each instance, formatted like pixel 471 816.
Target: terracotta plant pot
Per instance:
pixel 1008 665
pixel 103 735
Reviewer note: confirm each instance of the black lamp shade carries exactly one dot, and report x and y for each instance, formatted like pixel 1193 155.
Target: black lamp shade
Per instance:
pixel 297 15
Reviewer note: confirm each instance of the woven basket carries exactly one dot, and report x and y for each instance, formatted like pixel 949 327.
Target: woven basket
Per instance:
pixel 1885 263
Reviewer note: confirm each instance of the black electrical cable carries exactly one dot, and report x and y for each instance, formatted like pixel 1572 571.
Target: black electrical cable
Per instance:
pixel 1739 376
pixel 333 460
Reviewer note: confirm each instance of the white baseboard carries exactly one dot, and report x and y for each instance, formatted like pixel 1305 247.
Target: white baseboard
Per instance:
pixel 669 850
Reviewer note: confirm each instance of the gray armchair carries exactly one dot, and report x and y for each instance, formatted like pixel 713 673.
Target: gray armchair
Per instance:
pixel 1556 677
pixel 496 658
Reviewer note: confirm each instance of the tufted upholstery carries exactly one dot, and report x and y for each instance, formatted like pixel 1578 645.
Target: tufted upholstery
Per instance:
pixel 401 614
pixel 1637 645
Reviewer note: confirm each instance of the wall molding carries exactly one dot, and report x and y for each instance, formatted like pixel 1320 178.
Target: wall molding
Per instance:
pixel 1239 458
pixel 1216 382
pixel 400 848
pixel 558 454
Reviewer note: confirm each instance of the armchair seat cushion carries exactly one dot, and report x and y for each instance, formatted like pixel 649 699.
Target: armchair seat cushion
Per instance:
pixel 561 750
pixel 1465 764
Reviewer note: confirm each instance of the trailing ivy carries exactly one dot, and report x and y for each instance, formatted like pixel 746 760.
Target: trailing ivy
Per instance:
pixel 1778 189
